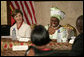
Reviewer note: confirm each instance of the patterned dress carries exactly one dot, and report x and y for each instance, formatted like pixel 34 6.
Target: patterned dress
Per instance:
pixel 60 35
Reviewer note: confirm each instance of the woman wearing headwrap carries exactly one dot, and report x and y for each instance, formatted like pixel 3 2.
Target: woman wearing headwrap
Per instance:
pixel 56 31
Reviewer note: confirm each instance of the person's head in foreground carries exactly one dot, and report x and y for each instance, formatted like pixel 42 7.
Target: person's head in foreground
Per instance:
pixel 40 36
pixel 40 39
pixel 79 24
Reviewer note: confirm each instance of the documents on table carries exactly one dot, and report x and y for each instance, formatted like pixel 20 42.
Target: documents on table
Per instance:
pixel 6 36
pixel 23 39
pixel 72 39
pixel 20 47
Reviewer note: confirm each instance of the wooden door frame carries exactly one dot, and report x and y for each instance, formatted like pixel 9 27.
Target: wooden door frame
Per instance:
pixel 8 13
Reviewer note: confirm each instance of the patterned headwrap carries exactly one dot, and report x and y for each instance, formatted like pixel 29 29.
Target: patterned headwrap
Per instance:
pixel 55 12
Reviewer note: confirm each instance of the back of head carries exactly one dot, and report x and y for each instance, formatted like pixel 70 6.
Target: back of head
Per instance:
pixel 79 24
pixel 40 36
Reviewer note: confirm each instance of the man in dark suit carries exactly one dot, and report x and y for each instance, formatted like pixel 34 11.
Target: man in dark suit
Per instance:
pixel 77 47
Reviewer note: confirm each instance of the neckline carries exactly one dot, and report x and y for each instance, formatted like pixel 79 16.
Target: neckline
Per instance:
pixel 20 25
pixel 56 28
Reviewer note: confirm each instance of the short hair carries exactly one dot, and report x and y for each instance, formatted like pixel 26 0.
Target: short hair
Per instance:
pixel 40 36
pixel 14 13
pixel 80 17
pixel 79 23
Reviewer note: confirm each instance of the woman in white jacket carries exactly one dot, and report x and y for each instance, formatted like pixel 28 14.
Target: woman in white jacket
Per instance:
pixel 21 28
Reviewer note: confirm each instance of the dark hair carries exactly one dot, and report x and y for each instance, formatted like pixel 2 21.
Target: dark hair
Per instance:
pixel 40 36
pixel 80 18
pixel 14 13
pixel 79 23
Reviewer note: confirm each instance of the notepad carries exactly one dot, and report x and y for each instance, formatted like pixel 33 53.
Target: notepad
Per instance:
pixel 20 47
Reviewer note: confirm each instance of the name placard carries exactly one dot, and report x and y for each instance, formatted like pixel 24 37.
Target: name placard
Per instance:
pixel 20 47
pixel 23 39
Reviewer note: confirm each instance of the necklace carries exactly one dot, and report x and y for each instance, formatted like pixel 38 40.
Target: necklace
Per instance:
pixel 56 27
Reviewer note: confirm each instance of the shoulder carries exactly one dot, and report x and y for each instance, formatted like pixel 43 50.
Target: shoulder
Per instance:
pixel 79 37
pixel 26 25
pixel 13 26
pixel 78 41
pixel 62 29
pixel 46 26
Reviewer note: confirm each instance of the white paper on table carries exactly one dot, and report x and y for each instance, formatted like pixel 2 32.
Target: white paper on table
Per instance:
pixel 23 39
pixel 6 36
pixel 72 39
pixel 20 47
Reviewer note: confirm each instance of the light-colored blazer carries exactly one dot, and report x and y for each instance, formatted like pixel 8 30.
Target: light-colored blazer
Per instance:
pixel 23 31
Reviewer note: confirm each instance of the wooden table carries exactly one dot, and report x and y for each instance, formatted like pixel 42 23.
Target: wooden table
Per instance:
pixel 6 50
pixel 6 47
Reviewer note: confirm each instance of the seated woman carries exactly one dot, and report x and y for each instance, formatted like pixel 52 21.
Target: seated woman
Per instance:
pixel 56 31
pixel 40 39
pixel 20 28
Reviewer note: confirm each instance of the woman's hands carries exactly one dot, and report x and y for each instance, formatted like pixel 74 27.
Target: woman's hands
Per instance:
pixel 51 30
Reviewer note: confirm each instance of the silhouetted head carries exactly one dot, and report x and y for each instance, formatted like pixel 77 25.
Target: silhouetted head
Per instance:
pixel 79 24
pixel 40 36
